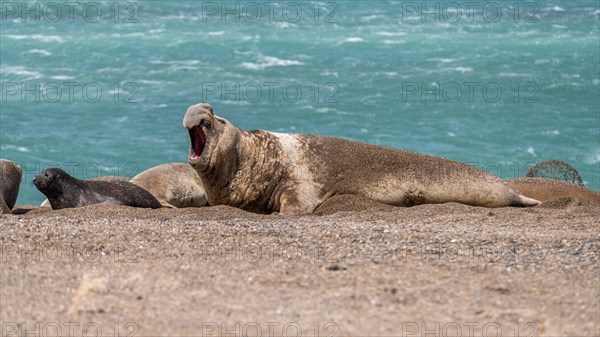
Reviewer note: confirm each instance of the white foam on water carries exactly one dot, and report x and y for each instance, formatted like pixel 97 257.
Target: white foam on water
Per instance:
pixel 451 134
pixel 330 73
pixel 371 17
pixel 38 51
pixel 513 74
pixel 552 133
pixel 219 33
pixel 250 38
pixel 390 34
pixel 137 34
pixel 20 71
pixel 37 37
pixel 109 70
pixel 462 70
pixel 443 60
pixel 181 17
pixel 22 149
pixel 62 77
pixel 285 25
pixel 558 9
pixel 531 151
pixel 354 39
pixel 239 102
pixel 393 41
pixel 595 81
pixel 150 82
pixel 593 157
pixel 270 61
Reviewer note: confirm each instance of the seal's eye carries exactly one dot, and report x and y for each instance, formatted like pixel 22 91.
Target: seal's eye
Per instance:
pixel 46 174
pixel 206 123
pixel 221 121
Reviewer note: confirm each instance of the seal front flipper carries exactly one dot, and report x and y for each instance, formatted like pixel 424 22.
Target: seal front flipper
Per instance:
pixel 289 204
pixel 4 207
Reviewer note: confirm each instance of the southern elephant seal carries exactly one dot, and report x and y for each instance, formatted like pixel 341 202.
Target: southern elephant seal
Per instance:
pixel 267 172
pixel 10 179
pixel 175 185
pixel 46 203
pixel 65 191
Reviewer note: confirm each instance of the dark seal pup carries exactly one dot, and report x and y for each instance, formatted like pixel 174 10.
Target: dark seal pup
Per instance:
pixel 267 172
pixel 64 191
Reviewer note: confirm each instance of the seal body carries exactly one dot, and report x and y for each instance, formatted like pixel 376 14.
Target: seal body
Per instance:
pixel 65 191
pixel 175 185
pixel 46 203
pixel 10 179
pixel 544 189
pixel 268 172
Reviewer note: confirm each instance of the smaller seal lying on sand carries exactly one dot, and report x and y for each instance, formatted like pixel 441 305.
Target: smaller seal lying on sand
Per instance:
pixel 64 191
pixel 46 203
pixel 10 178
pixel 175 185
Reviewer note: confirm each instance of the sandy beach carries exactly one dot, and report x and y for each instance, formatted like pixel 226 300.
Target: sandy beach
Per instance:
pixel 357 268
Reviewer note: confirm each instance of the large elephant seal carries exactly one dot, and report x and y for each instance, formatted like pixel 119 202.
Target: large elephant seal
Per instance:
pixel 175 185
pixel 64 191
pixel 10 179
pixel 266 172
pixel 46 203
pixel 544 190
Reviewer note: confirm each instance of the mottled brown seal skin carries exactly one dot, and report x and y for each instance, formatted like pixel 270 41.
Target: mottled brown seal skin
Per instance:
pixel 175 185
pixel 543 189
pixel 64 191
pixel 267 172
pixel 46 203
pixel 10 179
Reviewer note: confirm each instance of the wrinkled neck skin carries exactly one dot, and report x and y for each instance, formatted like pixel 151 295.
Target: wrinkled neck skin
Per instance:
pixel 245 171
pixel 220 167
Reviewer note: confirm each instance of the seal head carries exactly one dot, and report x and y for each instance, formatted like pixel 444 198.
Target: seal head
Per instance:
pixel 205 130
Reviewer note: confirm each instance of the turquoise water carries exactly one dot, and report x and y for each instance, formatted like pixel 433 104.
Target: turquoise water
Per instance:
pixel 361 68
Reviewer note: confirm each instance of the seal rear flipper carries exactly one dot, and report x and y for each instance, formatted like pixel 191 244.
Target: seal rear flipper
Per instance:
pixel 524 201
